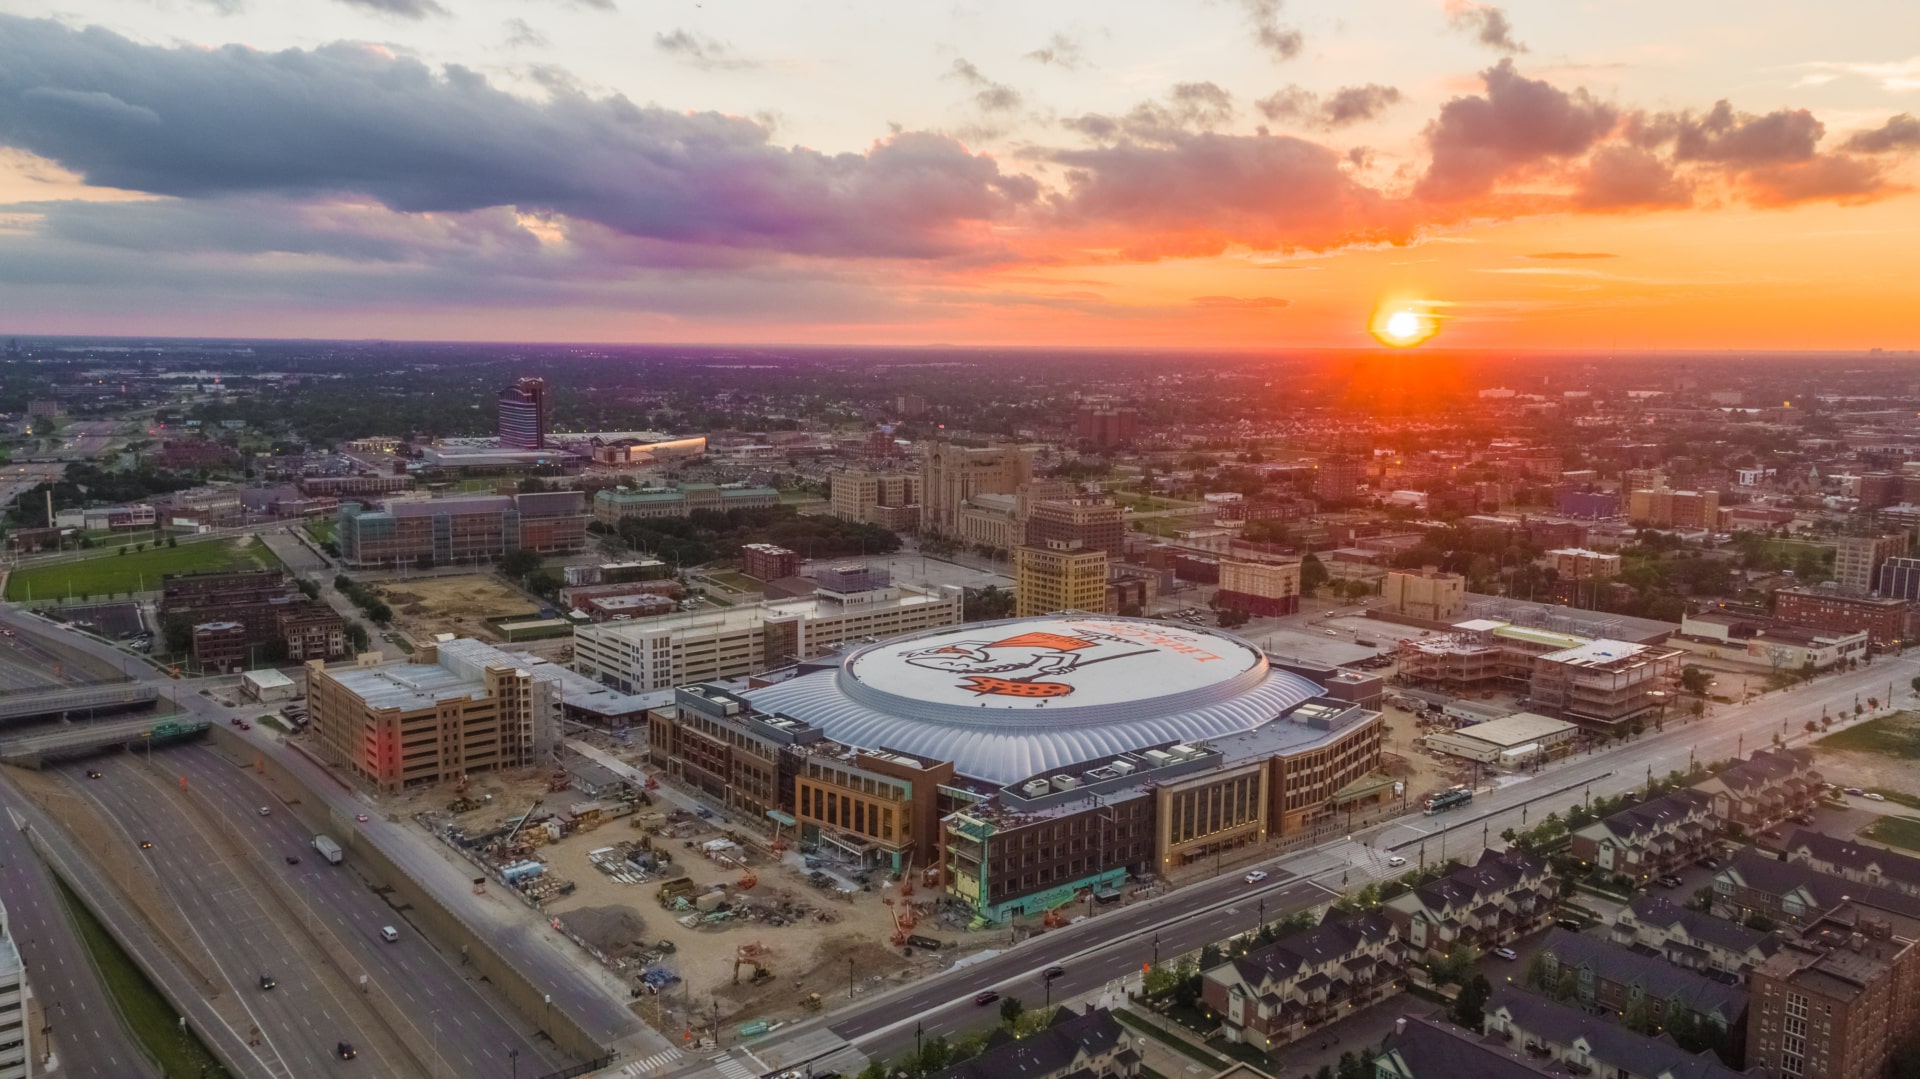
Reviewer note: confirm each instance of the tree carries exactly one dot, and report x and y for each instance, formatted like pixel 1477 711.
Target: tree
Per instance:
pixel 1695 681
pixel 1350 1067
pixel 357 639
pixel 519 563
pixel 1469 1008
pixel 1010 1009
pixel 1232 618
pixel 875 1069
pixel 1312 575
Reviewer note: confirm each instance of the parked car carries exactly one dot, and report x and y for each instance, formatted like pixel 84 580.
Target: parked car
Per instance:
pixel 1803 818
pixel 1710 862
pixel 1874 796
pixel 1856 792
pixel 1572 924
pixel 985 998
pixel 1256 876
pixel 1671 881
pixel 1506 953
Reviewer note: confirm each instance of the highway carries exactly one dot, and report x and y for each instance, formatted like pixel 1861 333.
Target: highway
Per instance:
pixel 464 1030
pixel 1110 946
pixel 87 1037
pixel 295 1025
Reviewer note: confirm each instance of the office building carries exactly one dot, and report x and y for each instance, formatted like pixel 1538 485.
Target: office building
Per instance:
pixel 1857 559
pixel 469 528
pixel 888 499
pixel 433 718
pixel 1338 479
pixel 1580 564
pixel 1061 576
pixel 16 1033
pixel 1899 578
pixel 523 414
pixel 951 476
pixel 1261 589
pixel 707 646
pixel 1667 508
pixel 1429 595
pixel 1106 425
pixel 610 507
pixel 1887 620
pixel 1094 523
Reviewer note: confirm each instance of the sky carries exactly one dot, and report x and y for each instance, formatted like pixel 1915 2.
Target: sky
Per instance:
pixel 1203 174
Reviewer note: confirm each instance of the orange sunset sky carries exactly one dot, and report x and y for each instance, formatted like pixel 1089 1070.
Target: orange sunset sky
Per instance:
pixel 1235 174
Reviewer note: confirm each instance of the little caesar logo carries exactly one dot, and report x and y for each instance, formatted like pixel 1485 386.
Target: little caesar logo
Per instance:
pixel 1016 666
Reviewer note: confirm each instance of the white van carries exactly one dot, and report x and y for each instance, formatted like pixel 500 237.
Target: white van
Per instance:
pixel 389 933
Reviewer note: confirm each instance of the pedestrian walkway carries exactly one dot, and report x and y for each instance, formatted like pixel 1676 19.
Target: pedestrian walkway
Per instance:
pixel 652 1065
pixel 726 1065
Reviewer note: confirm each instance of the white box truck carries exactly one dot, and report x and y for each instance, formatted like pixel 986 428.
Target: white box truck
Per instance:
pixel 328 849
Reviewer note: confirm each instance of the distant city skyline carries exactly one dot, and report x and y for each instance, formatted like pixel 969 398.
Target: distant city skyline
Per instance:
pixel 1236 174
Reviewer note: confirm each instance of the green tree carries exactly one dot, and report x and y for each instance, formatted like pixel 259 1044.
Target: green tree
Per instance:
pixel 1010 1009
pixel 875 1069
pixel 1469 1008
pixel 518 563
pixel 1312 575
pixel 357 639
pixel 1638 1016
pixel 1694 680
pixel 1350 1067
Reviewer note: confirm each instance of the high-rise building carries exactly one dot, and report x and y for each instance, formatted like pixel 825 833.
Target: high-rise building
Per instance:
pixel 16 1033
pixel 1857 559
pixel 1093 523
pixel 1899 578
pixel 1262 589
pixel 523 414
pixel 1335 479
pixel 1060 576
pixel 951 475
pixel 1106 425
pixel 888 499
pixel 450 709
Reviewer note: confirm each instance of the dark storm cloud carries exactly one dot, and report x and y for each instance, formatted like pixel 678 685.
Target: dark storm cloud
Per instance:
pixel 1347 105
pixel 1518 123
pixel 405 9
pixel 1486 23
pixel 201 123
pixel 1900 132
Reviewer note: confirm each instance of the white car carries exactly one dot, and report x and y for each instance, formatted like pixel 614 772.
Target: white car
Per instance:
pixel 1506 953
pixel 1256 876
pixel 1396 861
pixel 1874 796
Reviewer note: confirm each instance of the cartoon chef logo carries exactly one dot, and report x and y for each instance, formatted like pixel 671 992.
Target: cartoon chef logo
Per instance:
pixel 1017 666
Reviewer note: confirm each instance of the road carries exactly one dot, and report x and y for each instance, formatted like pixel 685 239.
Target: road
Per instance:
pixel 1108 947
pixel 467 1031
pixel 87 1037
pixel 300 1021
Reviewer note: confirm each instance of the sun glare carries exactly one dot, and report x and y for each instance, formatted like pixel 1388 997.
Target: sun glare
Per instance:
pixel 1402 326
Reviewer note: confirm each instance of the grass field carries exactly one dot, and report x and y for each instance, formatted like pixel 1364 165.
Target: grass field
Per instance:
pixel 1895 831
pixel 153 1021
pixel 1140 503
pixel 110 572
pixel 321 528
pixel 1896 735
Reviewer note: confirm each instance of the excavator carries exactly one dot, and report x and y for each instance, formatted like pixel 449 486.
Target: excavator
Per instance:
pixel 1053 919
pixel 750 955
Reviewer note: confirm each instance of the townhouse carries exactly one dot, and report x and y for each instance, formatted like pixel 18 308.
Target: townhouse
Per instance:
pixel 1090 1045
pixel 1763 790
pixel 1504 895
pixel 1603 975
pixel 1793 893
pixel 1274 995
pixel 1690 938
pixel 1581 1044
pixel 1876 866
pixel 1649 839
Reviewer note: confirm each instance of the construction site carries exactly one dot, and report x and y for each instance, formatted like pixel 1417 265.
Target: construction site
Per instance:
pixel 461 605
pixel 706 925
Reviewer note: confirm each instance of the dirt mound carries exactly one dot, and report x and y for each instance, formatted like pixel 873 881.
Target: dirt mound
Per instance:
pixel 394 595
pixel 617 931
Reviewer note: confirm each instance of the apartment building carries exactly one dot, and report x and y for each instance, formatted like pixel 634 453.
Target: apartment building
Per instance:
pixel 1503 895
pixel 1690 938
pixel 1650 839
pixel 1428 594
pixel 1763 790
pixel 1840 1000
pixel 1857 559
pixel 1887 620
pixel 1272 996
pixel 768 561
pixel 1668 508
pixel 313 632
pixel 450 531
pixel 1580 564
pixel 708 646
pixel 1061 576
pixel 433 718
pixel 1261 589
pixel 888 499
pixel 1606 976
pixel 1791 893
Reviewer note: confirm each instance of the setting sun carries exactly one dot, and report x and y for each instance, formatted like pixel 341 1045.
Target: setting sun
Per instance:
pixel 1402 326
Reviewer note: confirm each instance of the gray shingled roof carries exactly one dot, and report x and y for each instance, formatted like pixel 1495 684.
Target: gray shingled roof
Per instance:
pixel 1615 1046
pixel 1856 856
pixel 1661 911
pixel 1045 1052
pixel 1657 977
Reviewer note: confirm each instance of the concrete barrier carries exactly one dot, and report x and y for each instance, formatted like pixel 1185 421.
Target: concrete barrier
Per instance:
pixel 424 909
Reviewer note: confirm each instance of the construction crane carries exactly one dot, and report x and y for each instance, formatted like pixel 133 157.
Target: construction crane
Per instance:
pixel 524 818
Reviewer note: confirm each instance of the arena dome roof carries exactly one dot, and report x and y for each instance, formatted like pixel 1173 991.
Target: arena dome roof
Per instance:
pixel 1011 699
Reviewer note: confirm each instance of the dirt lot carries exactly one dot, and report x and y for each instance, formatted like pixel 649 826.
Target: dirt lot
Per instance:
pixel 1877 754
pixel 1430 773
pixel 424 606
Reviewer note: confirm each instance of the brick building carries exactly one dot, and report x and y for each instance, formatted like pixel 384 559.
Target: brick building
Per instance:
pixel 1093 523
pixel 768 562
pixel 1888 620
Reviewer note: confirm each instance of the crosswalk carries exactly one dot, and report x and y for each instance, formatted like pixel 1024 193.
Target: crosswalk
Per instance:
pixel 652 1065
pixel 732 1068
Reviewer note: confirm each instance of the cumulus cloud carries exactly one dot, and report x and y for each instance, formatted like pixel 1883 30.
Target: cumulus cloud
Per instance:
pixel 1836 177
pixel 404 9
pixel 1347 105
pixel 1621 177
pixel 1189 107
pixel 202 123
pixel 701 51
pixel 1059 51
pixel 1518 123
pixel 1900 132
pixel 1278 40
pixel 1486 23
pixel 989 95
pixel 1726 137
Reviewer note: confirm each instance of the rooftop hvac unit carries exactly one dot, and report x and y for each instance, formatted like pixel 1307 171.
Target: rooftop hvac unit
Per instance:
pixel 1158 756
pixel 1034 788
pixel 1065 783
pixel 1124 768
